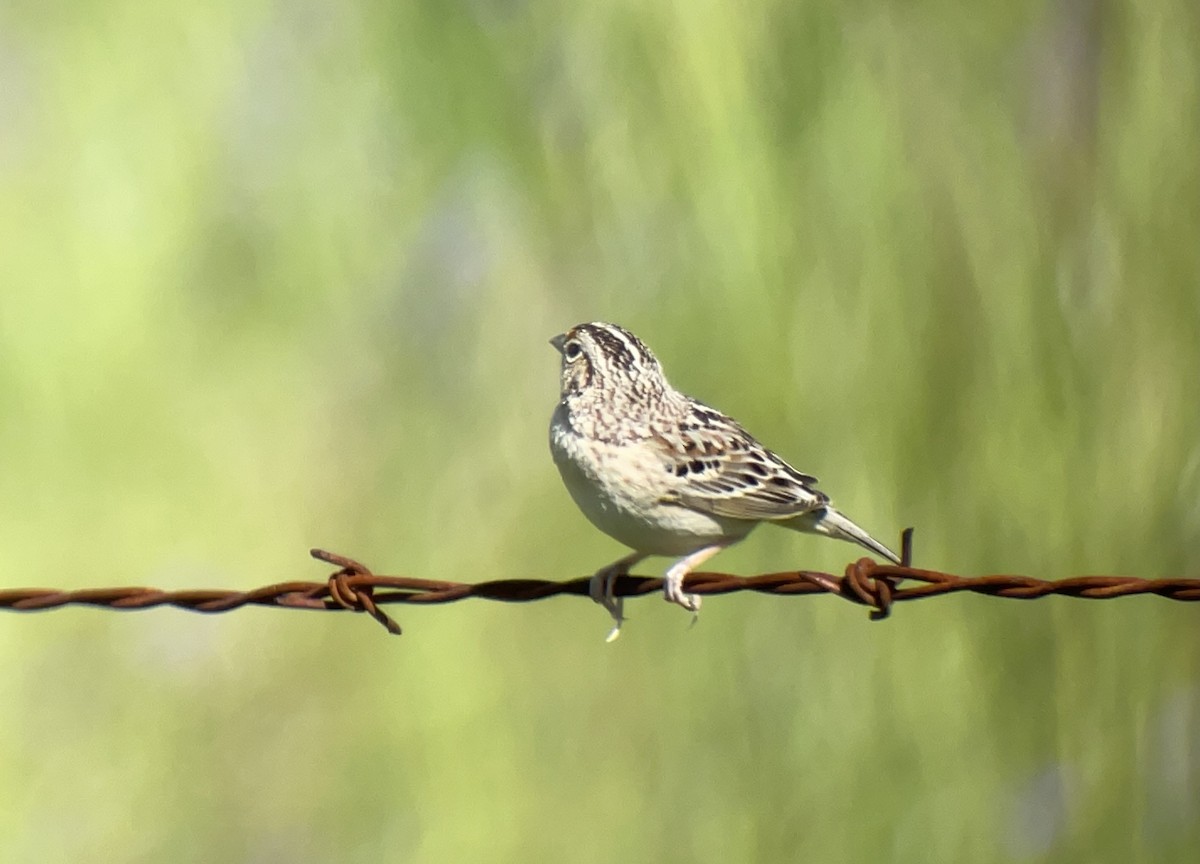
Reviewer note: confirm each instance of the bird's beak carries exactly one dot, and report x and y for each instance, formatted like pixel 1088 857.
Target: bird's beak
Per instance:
pixel 558 341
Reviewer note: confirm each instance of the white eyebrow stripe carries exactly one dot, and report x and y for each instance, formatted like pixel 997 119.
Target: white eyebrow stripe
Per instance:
pixel 632 351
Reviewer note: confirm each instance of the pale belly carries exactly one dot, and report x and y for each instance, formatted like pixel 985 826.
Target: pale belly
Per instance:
pixel 620 490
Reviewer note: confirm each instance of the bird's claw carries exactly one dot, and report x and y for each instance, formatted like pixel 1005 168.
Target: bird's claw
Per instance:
pixel 673 593
pixel 601 591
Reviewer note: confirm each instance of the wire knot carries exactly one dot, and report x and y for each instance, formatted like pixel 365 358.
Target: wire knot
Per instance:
pixel 349 588
pixel 870 587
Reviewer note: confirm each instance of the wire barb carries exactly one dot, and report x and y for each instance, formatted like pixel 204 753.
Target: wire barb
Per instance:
pixel 353 587
pixel 354 593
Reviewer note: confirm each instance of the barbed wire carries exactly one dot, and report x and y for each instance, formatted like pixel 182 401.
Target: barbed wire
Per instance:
pixel 353 587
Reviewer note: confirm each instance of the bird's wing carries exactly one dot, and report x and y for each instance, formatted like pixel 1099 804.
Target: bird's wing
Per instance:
pixel 723 471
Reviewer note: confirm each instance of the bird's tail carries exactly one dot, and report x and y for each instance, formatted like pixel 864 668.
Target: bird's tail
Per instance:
pixel 832 523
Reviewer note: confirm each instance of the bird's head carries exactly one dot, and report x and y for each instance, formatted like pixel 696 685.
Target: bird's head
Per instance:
pixel 599 356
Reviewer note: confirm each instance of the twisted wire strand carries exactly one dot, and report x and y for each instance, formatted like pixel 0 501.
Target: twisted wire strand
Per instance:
pixel 353 587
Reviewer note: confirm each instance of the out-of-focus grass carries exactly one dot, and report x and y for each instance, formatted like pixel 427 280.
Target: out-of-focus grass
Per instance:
pixel 282 276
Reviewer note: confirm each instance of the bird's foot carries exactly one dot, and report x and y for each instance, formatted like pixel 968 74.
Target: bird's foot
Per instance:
pixel 673 592
pixel 673 580
pixel 601 586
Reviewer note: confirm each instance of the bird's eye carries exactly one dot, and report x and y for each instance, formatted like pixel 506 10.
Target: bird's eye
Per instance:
pixel 572 350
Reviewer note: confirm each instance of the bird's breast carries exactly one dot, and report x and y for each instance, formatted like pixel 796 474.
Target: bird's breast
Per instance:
pixel 621 489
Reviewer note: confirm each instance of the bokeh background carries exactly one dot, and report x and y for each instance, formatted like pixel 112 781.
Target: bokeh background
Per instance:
pixel 281 275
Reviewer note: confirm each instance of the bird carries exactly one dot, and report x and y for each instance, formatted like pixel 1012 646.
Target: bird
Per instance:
pixel 666 474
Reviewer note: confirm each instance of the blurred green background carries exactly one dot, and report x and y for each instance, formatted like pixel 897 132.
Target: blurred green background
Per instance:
pixel 275 276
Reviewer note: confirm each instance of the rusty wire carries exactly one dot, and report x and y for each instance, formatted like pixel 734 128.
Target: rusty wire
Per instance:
pixel 353 587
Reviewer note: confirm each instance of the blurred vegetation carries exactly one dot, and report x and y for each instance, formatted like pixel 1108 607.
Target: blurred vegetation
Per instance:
pixel 282 275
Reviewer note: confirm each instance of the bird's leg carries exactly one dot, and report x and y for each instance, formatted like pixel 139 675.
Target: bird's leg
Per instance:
pixel 673 580
pixel 601 589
